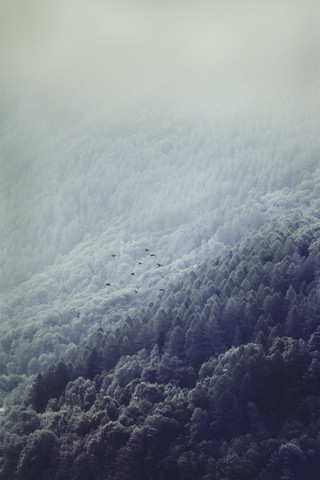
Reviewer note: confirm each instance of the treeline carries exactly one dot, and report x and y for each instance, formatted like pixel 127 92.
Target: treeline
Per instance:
pixel 216 379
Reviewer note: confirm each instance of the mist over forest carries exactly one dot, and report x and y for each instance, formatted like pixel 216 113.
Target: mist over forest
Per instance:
pixel 160 234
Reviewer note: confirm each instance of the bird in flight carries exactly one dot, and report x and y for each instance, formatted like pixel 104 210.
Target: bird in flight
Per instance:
pixel 152 255
pixel 136 291
pixel 113 255
pixel 146 250
pixel 132 273
pixel 159 264
pixel 108 284
pixel 139 263
pixel 161 289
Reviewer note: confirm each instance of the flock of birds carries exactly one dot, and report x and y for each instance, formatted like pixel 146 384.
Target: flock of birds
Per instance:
pixel 108 284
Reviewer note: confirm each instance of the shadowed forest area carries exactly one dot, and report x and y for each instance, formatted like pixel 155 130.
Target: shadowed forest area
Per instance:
pixel 218 378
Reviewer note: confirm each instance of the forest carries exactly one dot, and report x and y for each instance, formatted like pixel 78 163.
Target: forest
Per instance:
pixel 159 240
pixel 207 367
pixel 218 378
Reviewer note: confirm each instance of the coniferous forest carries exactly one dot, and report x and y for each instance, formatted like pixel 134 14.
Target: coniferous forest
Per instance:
pixel 217 378
pixel 159 240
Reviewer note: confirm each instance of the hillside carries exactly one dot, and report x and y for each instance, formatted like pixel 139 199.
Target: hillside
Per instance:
pixel 216 378
pixel 159 240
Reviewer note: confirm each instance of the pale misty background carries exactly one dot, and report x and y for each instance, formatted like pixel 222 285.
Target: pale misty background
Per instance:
pixel 178 127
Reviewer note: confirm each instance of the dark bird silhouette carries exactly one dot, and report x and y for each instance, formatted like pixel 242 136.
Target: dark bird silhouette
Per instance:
pixel 139 263
pixel 146 250
pixel 136 291
pixel 132 273
pixel 152 255
pixel 159 264
pixel 113 254
pixel 161 289
pixel 108 284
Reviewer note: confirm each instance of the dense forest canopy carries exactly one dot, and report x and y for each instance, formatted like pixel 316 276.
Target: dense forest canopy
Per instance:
pixel 216 378
pixel 160 241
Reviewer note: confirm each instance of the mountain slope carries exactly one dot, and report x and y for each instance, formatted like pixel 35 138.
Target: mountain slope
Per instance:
pixel 215 378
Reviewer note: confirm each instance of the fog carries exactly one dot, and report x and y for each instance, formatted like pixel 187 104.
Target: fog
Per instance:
pixel 80 52
pixel 159 239
pixel 131 125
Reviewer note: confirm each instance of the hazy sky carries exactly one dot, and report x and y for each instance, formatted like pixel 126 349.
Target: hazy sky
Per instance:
pixel 106 51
